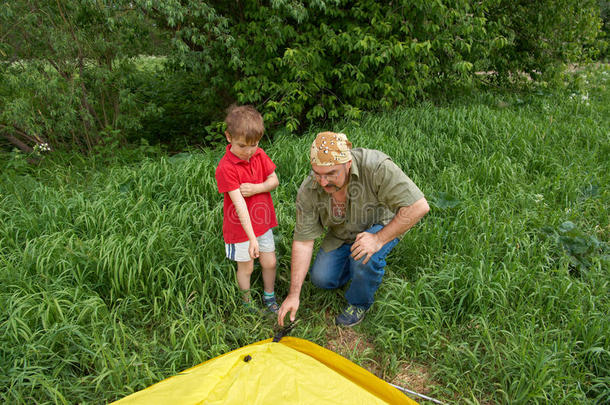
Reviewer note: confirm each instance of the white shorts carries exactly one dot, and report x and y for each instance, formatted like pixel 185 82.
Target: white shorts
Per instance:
pixel 239 251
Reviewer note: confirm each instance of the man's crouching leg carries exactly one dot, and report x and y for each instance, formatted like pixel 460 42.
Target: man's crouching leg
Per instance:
pixel 366 279
pixel 331 269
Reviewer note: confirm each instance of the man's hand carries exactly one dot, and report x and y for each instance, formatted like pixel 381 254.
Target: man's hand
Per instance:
pixel 253 249
pixel 249 189
pixel 366 245
pixel 290 304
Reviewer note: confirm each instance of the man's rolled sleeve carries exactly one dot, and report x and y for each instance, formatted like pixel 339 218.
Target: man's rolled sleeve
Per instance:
pixel 308 226
pixel 395 188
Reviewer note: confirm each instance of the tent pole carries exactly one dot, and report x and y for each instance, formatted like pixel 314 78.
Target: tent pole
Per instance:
pixel 406 391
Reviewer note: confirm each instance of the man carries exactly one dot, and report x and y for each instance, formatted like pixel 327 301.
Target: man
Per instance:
pixel 366 203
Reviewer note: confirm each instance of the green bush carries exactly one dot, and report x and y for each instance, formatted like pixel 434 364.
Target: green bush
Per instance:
pixel 336 59
pixel 72 71
pixel 303 62
pixel 537 38
pixel 186 104
pixel 604 39
pixel 66 72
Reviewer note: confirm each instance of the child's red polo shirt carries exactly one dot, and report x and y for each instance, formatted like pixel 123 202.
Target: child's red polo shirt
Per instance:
pixel 230 174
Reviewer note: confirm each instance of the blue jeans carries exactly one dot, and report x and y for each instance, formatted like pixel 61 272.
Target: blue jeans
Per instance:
pixel 335 268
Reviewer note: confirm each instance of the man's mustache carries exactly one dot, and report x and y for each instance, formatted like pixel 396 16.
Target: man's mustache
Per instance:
pixel 337 188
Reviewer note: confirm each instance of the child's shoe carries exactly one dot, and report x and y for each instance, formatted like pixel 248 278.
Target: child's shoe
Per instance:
pixel 250 307
pixel 271 304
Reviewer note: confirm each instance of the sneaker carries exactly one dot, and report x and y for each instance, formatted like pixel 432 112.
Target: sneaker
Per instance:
pixel 352 315
pixel 271 305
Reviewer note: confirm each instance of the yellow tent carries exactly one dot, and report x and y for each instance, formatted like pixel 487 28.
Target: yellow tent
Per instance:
pixel 291 371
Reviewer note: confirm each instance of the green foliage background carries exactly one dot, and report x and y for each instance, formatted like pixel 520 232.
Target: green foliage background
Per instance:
pixel 72 74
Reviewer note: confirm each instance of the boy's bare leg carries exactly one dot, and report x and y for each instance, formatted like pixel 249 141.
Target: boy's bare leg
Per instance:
pixel 244 271
pixel 268 263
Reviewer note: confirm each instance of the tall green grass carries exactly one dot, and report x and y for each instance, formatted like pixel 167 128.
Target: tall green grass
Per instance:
pixel 113 277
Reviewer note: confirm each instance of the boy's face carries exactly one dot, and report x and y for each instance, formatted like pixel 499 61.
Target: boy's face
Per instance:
pixel 240 148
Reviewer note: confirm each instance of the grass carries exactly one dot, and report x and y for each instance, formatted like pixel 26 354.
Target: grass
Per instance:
pixel 112 275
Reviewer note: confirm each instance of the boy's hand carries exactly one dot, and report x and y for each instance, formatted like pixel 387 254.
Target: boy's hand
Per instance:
pixel 253 249
pixel 248 189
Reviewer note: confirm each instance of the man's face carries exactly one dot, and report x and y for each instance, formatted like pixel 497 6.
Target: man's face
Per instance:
pixel 332 178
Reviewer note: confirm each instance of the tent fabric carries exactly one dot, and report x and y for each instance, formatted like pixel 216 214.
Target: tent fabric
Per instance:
pixel 293 371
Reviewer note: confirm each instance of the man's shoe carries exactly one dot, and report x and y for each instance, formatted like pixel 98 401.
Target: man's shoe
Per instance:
pixel 352 315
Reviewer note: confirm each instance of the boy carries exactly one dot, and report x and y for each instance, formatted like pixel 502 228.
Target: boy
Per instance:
pixel 246 175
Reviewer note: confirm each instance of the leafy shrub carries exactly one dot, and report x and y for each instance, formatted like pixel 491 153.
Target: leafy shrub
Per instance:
pixel 538 37
pixel 299 62
pixel 580 247
pixel 185 106
pixel 303 62
pixel 65 72
pixel 603 43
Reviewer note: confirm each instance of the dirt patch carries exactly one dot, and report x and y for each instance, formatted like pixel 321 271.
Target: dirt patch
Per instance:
pixel 347 340
pixel 414 377
pixel 354 345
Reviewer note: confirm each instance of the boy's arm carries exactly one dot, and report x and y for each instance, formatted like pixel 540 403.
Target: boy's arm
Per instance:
pixel 244 218
pixel 249 189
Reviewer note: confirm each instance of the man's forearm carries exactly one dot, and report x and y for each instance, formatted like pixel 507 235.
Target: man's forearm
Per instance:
pixel 405 219
pixel 301 258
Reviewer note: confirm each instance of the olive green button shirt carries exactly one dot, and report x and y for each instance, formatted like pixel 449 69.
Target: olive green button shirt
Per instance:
pixel 377 189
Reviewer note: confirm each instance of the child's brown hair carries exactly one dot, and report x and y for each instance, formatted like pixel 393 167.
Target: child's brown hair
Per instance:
pixel 244 122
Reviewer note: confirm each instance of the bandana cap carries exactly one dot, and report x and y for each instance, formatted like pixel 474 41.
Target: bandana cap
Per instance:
pixel 329 149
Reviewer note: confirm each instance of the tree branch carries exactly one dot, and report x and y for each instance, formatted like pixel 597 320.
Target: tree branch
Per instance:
pixel 81 68
pixel 14 140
